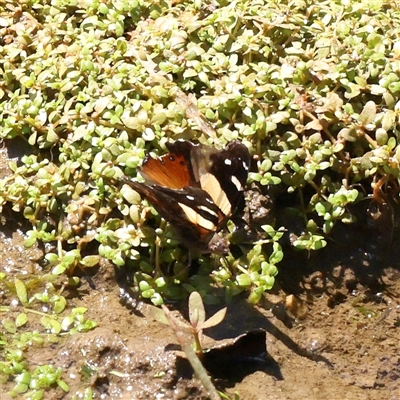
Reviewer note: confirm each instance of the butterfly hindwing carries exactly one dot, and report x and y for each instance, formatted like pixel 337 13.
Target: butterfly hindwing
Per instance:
pixel 230 168
pixel 223 174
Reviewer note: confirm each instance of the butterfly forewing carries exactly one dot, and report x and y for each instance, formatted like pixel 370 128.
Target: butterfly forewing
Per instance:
pixel 173 170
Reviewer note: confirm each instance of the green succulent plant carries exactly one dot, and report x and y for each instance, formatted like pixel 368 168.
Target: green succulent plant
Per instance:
pixel 88 88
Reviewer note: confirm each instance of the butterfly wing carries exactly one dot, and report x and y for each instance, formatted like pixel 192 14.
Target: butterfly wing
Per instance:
pixel 223 175
pixel 190 211
pixel 196 188
pixel 173 170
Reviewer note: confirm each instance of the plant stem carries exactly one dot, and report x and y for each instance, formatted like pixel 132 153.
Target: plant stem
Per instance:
pixel 199 348
pixel 195 362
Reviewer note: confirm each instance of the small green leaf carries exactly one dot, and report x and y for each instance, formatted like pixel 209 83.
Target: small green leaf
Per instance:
pixel 9 325
pixel 59 304
pixel 67 322
pixel 79 310
pixel 368 113
pixel 215 319
pixel 51 257
pixel 21 291
pixel 156 299
pixel 59 269
pixel 63 386
pixel 243 280
pixel 197 314
pixel 21 320
pixel 90 261
pixel 277 255
pixel 160 282
pixel 255 297
pixel 147 294
pixel 24 378
pixel 30 241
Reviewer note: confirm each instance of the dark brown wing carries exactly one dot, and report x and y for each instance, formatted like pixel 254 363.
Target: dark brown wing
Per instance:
pixel 190 211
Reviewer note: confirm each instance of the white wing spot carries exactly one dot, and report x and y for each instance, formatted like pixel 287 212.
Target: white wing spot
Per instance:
pixel 245 166
pixel 236 182
pixel 190 197
pixel 228 161
pixel 206 209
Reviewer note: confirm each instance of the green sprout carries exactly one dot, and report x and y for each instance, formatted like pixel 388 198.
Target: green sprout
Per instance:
pixel 195 327
pixel 197 320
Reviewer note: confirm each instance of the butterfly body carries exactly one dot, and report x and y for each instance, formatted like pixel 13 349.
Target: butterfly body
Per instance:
pixel 196 188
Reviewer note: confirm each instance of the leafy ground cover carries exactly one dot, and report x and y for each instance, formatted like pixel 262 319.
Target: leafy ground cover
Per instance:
pixel 89 87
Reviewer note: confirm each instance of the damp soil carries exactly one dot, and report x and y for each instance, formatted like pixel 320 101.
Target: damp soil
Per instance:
pixel 332 328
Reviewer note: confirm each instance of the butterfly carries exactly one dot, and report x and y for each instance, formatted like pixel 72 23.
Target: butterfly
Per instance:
pixel 196 188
